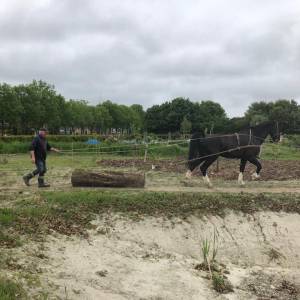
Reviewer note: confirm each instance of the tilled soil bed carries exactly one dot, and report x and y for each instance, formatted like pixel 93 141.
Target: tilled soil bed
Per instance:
pixel 228 169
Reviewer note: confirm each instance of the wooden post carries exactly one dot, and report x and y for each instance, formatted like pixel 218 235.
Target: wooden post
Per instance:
pixel 72 154
pixel 146 153
pixel 146 146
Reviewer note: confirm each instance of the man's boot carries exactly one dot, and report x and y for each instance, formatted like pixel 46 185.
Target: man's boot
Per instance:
pixel 42 182
pixel 27 178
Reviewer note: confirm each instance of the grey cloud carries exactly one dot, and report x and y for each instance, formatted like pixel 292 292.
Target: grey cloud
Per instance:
pixel 234 52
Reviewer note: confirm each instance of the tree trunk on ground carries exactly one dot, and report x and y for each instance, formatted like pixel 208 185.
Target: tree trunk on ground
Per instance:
pixel 85 178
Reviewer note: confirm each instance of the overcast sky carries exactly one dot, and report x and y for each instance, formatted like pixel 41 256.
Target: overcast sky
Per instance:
pixel 149 51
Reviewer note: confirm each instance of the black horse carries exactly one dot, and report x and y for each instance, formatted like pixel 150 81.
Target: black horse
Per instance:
pixel 244 145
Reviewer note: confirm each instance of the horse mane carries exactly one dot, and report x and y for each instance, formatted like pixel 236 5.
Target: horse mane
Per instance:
pixel 262 124
pixel 258 126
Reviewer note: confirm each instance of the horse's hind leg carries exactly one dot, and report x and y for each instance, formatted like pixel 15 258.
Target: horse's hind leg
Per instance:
pixel 255 161
pixel 242 169
pixel 204 168
pixel 192 165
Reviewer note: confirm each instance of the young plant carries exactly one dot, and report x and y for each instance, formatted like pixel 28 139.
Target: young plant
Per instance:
pixel 208 258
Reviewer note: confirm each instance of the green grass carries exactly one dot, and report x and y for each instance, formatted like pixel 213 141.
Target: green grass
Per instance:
pixel 280 152
pixel 9 290
pixel 71 212
pixel 168 203
pixel 285 151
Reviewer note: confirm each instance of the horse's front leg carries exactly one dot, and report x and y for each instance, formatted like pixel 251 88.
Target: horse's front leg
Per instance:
pixel 204 168
pixel 255 161
pixel 242 169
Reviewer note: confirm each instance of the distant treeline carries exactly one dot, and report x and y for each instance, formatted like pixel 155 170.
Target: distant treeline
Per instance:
pixel 25 108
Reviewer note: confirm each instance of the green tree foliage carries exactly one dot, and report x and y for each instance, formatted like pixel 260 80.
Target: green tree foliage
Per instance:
pixel 213 116
pixel 10 107
pixel 169 116
pixel 258 112
pixel 186 126
pixel 25 108
pixel 236 124
pixel 286 112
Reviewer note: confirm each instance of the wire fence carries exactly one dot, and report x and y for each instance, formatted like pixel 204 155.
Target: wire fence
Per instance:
pixel 136 149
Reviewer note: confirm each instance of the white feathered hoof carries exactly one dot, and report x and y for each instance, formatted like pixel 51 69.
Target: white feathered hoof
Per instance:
pixel 188 174
pixel 241 182
pixel 255 176
pixel 207 181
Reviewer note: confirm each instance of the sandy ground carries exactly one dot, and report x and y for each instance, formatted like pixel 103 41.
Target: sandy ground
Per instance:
pixel 155 258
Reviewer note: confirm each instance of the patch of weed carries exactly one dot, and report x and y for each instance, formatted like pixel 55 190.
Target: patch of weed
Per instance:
pixel 10 290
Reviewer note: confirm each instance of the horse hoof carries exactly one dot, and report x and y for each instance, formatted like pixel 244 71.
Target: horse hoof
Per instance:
pixel 188 175
pixel 207 182
pixel 209 185
pixel 255 176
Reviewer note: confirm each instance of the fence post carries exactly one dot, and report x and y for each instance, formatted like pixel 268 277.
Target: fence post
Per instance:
pixel 72 154
pixel 146 146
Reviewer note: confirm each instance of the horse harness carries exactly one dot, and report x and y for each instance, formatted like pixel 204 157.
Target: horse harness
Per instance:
pixel 250 136
pixel 238 141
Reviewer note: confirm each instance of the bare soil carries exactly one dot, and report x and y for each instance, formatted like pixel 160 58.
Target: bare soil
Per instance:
pixel 228 169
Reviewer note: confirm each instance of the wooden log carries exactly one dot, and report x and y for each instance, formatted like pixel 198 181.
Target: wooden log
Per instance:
pixel 85 178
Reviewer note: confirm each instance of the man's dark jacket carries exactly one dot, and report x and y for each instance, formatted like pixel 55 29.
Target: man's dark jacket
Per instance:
pixel 40 146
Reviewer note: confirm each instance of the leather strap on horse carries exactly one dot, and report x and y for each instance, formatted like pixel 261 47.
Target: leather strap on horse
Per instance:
pixel 238 140
pixel 250 136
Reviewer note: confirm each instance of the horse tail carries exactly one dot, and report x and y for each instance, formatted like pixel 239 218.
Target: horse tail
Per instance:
pixel 194 149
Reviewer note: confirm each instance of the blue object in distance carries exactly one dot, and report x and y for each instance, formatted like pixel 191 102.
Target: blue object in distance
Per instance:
pixel 92 142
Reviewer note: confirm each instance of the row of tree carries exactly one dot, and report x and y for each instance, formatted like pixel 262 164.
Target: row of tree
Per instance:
pixel 24 108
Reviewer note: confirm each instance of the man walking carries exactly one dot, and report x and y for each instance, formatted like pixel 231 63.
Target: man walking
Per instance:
pixel 38 152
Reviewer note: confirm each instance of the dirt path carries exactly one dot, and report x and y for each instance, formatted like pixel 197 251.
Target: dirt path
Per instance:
pixel 224 190
pixel 179 189
pixel 194 188
pixel 228 169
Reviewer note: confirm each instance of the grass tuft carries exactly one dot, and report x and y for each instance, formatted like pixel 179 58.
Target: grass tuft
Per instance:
pixel 221 284
pixel 10 290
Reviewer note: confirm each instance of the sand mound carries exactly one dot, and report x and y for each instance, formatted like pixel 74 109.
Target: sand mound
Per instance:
pixel 155 258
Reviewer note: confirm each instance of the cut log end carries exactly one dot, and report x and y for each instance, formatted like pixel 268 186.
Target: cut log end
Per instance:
pixel 85 178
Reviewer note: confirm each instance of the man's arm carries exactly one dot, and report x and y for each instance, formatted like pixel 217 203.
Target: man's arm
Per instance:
pixel 32 156
pixel 31 149
pixel 50 148
pixel 54 150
